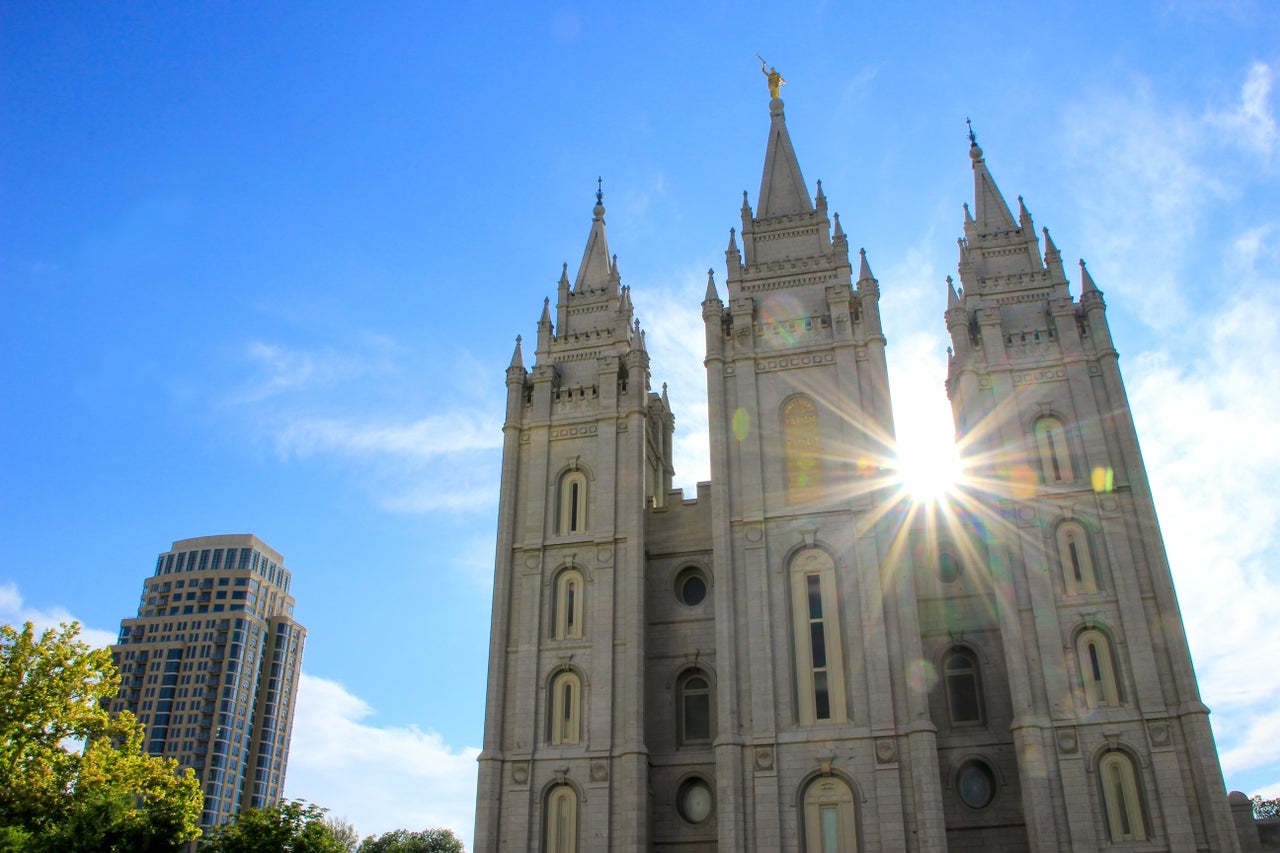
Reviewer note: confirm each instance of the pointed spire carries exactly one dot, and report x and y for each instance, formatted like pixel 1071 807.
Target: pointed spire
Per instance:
pixel 733 242
pixel 1052 257
pixel 782 187
pixel 839 227
pixel 990 210
pixel 953 301
pixel 820 201
pixel 665 402
pixel 864 268
pixel 517 360
pixel 546 312
pixel 1024 215
pixel 595 270
pixel 1086 280
pixel 711 287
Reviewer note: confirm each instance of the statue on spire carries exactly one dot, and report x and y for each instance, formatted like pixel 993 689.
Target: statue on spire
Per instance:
pixel 775 79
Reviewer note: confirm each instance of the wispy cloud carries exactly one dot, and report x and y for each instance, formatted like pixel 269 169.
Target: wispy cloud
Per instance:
pixel 14 611
pixel 277 369
pixel 1249 123
pixel 420 440
pixel 379 777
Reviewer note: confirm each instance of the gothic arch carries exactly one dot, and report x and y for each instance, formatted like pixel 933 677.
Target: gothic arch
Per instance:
pixel 829 805
pixel 818 648
pixel 1051 438
pixel 1073 541
pixel 801 444
pixel 1100 673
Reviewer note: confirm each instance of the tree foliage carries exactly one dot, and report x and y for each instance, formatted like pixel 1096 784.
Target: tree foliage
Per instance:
pixel 110 796
pixel 404 841
pixel 290 826
pixel 1264 809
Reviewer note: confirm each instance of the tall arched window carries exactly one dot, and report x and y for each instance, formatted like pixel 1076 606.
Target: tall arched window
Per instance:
pixel 562 820
pixel 1121 798
pixel 963 685
pixel 1078 574
pixel 567 605
pixel 566 708
pixel 818 650
pixel 1055 454
pixel 571 505
pixel 1098 669
pixel 830 817
pixel 802 449
pixel 694 707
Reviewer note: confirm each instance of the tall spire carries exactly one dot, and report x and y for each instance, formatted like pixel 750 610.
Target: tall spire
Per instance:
pixel 991 212
pixel 595 271
pixel 782 187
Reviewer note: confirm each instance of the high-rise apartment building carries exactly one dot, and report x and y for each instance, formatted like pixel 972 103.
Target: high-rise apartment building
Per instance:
pixel 210 667
pixel 800 658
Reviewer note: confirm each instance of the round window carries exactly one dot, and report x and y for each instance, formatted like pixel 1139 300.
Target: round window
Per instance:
pixel 695 801
pixel 976 784
pixel 691 588
pixel 949 567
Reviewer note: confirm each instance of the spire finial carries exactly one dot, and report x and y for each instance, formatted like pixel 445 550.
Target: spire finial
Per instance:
pixel 973 140
pixel 599 190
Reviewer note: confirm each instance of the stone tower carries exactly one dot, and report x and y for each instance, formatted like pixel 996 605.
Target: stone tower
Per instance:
pixel 800 658
pixel 1057 591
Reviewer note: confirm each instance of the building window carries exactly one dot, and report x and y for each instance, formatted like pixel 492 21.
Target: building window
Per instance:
pixel 562 820
pixel 695 801
pixel 963 686
pixel 566 708
pixel 1078 573
pixel 567 605
pixel 819 656
pixel 976 784
pixel 572 504
pixel 1120 797
pixel 802 449
pixel 1055 455
pixel 830 819
pixel 691 587
pixel 693 700
pixel 1098 669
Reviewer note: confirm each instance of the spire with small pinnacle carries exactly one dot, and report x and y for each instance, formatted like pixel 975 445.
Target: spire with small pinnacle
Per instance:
pixel 595 271
pixel 864 268
pixel 782 187
pixel 991 213
pixel 517 359
pixel 711 287
pixel 1052 257
pixel 953 300
pixel 1086 280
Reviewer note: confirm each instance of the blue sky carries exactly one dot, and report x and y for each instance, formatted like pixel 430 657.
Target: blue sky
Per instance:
pixel 262 266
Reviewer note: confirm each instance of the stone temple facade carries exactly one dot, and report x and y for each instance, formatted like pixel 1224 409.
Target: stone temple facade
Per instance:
pixel 800 657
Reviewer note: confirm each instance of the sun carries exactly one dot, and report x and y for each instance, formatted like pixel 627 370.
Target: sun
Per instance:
pixel 928 470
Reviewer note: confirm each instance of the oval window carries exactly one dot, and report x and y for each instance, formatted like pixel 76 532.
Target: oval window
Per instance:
pixel 976 784
pixel 691 588
pixel 695 801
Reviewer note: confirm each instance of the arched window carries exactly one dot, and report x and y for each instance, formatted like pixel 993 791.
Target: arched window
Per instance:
pixel 567 606
pixel 1121 798
pixel 693 701
pixel 562 820
pixel 1055 455
pixel 819 655
pixel 802 449
pixel 830 818
pixel 1098 669
pixel 963 685
pixel 1078 574
pixel 566 708
pixel 571 506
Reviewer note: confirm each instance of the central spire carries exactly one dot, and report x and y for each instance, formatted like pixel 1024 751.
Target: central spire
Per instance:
pixel 595 271
pixel 782 187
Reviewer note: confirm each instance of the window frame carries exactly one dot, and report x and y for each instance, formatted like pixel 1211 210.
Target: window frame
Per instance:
pixel 1122 800
pixel 554 838
pixel 814 562
pixel 829 802
pixel 1053 451
pixel 571 503
pixel 561 611
pixel 974 672
pixel 1099 669
pixel 683 694
pixel 1079 569
pixel 564 720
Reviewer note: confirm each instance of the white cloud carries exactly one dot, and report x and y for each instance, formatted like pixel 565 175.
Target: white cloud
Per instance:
pixel 427 438
pixel 279 369
pixel 379 778
pixel 1250 123
pixel 13 611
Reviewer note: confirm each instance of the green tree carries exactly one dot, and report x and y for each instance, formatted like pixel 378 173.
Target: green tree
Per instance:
pixel 344 831
pixel 290 826
pixel 1263 809
pixel 109 796
pixel 404 841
